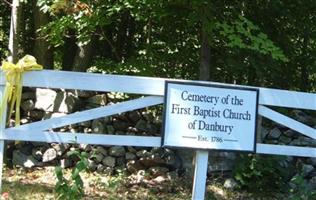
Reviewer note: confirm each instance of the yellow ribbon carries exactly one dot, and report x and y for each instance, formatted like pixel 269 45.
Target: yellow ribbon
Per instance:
pixel 13 88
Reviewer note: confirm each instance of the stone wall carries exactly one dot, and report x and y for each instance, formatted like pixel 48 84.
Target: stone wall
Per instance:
pixel 38 104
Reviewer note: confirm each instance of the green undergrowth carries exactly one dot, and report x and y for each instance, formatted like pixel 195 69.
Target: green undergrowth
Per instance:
pixel 40 184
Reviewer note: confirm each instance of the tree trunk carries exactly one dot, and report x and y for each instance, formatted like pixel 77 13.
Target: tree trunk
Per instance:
pixel 83 57
pixel 42 51
pixel 69 50
pixel 14 30
pixel 304 65
pixel 205 58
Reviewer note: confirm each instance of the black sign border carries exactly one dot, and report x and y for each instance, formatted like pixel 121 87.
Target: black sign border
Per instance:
pixel 213 86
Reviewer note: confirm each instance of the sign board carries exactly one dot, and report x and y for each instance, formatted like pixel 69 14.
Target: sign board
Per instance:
pixel 210 117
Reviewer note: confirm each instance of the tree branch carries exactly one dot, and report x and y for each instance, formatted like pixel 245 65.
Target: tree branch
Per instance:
pixel 5 1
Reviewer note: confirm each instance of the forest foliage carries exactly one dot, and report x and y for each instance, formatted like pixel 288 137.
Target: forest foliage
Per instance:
pixel 261 43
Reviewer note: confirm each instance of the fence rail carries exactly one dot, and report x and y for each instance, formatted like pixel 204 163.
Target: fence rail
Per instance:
pixel 154 87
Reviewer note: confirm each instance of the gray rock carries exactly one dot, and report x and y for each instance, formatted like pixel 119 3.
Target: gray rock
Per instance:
pixel 220 166
pixel 120 133
pixel 110 129
pixel 66 163
pixel 120 162
pixel 98 157
pixel 153 160
pixel 20 159
pixel 25 120
pixel 28 105
pixel 101 150
pixel 31 162
pixel 37 152
pixel 131 149
pixel 304 118
pixel 107 120
pixel 52 101
pixel 172 175
pixel 49 155
pixel 49 115
pixel 100 168
pixel 289 158
pixel 141 125
pixel 134 166
pixel 87 130
pixel 172 161
pixel 132 130
pixel 26 149
pixel 313 161
pixel 130 156
pixel 263 132
pixel 84 93
pixel 291 133
pixel 109 161
pixel 303 141
pixel 99 99
pixel 186 156
pixel 312 183
pixel 230 184
pixel 36 114
pixel 40 144
pixel 85 124
pixel 148 116
pixel 92 166
pixel 284 139
pixel 108 170
pixel 60 148
pixel 120 125
pixel 152 128
pixel 143 153
pixel 274 133
pixel 134 116
pixel 117 151
pixel 85 147
pixel 158 171
pixel 28 95
pixel 98 126
pixel 306 169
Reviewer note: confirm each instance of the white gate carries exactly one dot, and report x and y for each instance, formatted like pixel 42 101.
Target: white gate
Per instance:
pixel 153 90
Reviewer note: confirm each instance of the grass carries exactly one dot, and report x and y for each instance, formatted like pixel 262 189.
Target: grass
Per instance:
pixel 20 184
pixel 38 184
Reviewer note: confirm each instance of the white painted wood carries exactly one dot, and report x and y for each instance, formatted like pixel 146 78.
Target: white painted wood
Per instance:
pixel 83 138
pixel 90 114
pixel 200 174
pixel 286 98
pixel 146 86
pixel 286 150
pixel 94 82
pixel 2 142
pixel 150 86
pixel 287 121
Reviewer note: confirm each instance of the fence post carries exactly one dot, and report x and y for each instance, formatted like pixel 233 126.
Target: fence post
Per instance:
pixel 2 127
pixel 200 172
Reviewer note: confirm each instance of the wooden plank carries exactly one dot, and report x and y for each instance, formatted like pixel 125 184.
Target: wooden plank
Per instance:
pixel 286 98
pixel 287 121
pixel 94 82
pixel 286 150
pixel 150 86
pixel 83 138
pixel 90 114
pixel 200 175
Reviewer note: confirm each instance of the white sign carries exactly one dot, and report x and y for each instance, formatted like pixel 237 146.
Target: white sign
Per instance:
pixel 210 117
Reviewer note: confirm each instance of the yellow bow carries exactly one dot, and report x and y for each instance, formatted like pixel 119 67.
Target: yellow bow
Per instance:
pixel 13 88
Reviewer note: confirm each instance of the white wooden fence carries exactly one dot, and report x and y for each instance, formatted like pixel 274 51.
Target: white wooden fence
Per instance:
pixel 153 90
